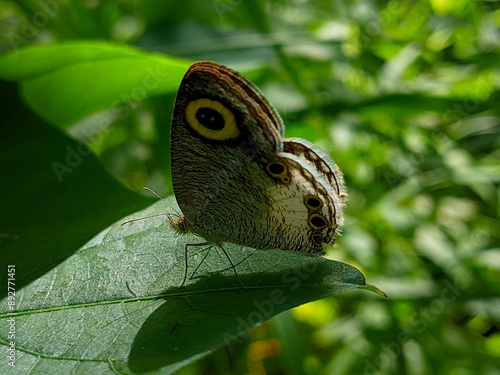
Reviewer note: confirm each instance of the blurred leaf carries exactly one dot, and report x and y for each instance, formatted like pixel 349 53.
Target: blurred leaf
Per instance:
pixel 64 82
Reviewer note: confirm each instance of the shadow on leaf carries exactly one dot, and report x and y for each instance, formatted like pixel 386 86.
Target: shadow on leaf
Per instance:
pixel 208 314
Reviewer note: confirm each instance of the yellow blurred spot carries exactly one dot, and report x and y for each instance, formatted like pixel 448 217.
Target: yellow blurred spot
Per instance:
pixel 479 324
pixel 315 313
pixel 258 351
pixel 492 345
pixel 263 349
pixel 455 7
pixel 442 6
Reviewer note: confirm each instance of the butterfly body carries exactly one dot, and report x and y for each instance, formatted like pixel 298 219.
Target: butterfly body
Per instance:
pixel 237 180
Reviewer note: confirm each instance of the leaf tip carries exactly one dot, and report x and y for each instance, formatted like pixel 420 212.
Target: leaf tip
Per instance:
pixel 374 289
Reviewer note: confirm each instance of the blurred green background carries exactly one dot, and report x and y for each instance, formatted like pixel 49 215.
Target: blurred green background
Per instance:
pixel 405 97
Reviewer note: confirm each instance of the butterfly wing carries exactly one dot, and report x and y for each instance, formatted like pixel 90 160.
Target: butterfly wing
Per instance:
pixel 311 203
pixel 235 179
pixel 220 124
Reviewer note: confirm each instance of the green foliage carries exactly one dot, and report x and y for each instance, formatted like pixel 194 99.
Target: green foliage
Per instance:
pixel 119 288
pixel 66 68
pixel 116 303
pixel 404 95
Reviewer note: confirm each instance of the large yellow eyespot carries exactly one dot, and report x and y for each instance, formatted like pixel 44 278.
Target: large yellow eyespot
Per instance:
pixel 211 119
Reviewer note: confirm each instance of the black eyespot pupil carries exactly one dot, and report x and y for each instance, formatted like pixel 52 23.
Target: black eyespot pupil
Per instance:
pixel 318 240
pixel 318 221
pixel 313 202
pixel 210 118
pixel 276 168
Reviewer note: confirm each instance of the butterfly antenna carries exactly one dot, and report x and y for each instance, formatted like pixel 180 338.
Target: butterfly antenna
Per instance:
pixel 163 200
pixel 155 215
pixel 144 217
pixel 168 204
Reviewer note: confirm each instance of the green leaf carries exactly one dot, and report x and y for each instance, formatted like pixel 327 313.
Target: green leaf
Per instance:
pixel 117 302
pixel 56 195
pixel 56 85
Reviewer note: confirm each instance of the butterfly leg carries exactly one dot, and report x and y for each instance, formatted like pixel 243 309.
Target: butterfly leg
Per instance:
pixel 186 259
pixel 233 266
pixel 206 244
pixel 204 257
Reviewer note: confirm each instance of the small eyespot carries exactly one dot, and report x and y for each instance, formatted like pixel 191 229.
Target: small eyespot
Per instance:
pixel 317 221
pixel 278 170
pixel 317 239
pixel 211 119
pixel 312 202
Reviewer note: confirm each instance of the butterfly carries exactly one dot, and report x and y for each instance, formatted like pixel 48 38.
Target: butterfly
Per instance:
pixel 237 179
